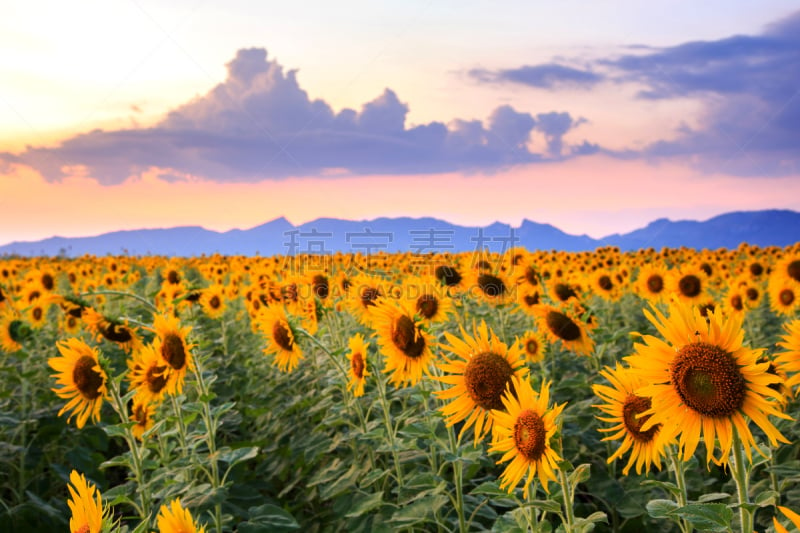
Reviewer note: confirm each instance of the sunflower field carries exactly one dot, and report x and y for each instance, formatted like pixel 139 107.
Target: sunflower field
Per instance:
pixel 516 391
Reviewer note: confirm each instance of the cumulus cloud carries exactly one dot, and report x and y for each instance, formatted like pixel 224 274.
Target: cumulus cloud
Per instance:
pixel 260 124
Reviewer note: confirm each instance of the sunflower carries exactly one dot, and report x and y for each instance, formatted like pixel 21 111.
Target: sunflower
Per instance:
pixel 532 346
pixel 488 286
pixel 528 298
pixel 788 513
pixel 358 364
pixel 82 380
pixel 12 330
pixel 212 300
pixel 603 283
pixel 176 519
pixel 479 374
pixel 624 406
pixel 559 325
pixel 428 297
pixel 651 282
pixel 523 432
pixel 689 284
pixel 110 329
pixel 171 346
pixel 788 268
pixel 703 381
pixel 404 344
pixel 36 314
pixel 280 337
pixel 450 276
pixel 148 374
pixel 784 296
pixel 142 414
pixel 85 504
pixel 788 361
pixel 363 293
pixel 562 290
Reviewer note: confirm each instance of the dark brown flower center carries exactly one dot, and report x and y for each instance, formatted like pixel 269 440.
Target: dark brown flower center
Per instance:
pixel 564 292
pixel 368 296
pixel 156 378
pixel 794 270
pixel 708 380
pixel 655 283
pixel 736 302
pixel 530 435
pixel 173 277
pixel 406 337
pixel 87 380
pixel 486 377
pixel 751 293
pixel 756 269
pixel 427 305
pixel 319 284
pixel 631 409
pixel 705 267
pixel 563 326
pixel 605 283
pixel 173 351
pixel 690 285
pixel 37 313
pixel 357 364
pixel 786 297
pixel 447 275
pixel 116 333
pixel 531 276
pixel 48 282
pixel 214 302
pixel 491 285
pixel 531 299
pixel 282 337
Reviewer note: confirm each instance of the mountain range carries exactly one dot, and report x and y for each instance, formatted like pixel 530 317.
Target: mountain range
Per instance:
pixel 422 235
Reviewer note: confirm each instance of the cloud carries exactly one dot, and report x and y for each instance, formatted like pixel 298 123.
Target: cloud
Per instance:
pixel 749 86
pixel 260 124
pixel 546 76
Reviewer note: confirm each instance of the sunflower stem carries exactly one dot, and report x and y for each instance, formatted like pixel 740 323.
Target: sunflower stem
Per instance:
pixel 210 436
pixel 136 458
pixel 566 492
pixel 390 429
pixel 458 477
pixel 680 481
pixel 741 476
pixel 181 426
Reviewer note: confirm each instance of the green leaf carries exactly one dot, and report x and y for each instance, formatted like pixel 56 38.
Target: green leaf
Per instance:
pixel 660 508
pixel 365 503
pixel 580 474
pixel 671 488
pixel 238 455
pixel 268 518
pixel 767 498
pixel 707 517
pixel 419 510
pixel 545 505
pixel 371 477
pixel 713 496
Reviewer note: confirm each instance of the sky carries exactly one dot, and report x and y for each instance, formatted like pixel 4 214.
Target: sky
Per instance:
pixel 596 117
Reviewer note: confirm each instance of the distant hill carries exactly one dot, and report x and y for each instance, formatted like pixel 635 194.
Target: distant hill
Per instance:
pixel 422 235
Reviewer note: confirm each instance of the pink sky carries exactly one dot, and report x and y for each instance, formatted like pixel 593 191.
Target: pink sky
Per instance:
pixel 596 195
